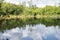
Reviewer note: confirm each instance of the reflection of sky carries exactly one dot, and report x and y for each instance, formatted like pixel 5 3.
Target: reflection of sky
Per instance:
pixel 37 32
pixel 37 2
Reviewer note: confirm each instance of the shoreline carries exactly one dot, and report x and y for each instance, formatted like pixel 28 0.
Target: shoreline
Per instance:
pixel 29 16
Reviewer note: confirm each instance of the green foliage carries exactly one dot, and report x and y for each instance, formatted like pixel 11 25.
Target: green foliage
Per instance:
pixel 12 23
pixel 12 9
pixel 8 8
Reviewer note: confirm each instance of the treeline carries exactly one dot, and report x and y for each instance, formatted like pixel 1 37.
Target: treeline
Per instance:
pixel 12 9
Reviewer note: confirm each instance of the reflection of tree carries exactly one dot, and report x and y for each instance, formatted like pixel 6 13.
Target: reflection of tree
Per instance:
pixel 12 23
pixel 51 22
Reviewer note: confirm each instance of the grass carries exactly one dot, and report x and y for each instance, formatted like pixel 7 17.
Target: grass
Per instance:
pixel 29 16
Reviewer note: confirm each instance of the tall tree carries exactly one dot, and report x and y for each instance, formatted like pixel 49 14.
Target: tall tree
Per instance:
pixel 0 5
pixel 1 2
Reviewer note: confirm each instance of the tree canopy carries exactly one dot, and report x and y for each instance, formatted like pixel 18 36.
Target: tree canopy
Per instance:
pixel 12 9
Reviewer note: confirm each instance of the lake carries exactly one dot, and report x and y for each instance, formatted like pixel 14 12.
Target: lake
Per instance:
pixel 30 29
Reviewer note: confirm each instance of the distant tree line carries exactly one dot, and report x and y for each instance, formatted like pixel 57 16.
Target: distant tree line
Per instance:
pixel 12 9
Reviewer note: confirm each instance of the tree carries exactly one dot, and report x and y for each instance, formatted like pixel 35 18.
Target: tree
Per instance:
pixel 0 5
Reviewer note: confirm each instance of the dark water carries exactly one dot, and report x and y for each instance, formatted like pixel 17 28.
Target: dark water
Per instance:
pixel 30 29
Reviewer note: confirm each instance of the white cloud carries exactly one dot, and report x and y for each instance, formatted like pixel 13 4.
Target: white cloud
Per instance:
pixel 13 1
pixel 40 3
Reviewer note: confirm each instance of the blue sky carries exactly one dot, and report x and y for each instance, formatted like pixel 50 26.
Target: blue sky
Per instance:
pixel 40 3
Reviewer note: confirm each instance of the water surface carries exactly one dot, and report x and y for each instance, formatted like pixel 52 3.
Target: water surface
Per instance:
pixel 32 29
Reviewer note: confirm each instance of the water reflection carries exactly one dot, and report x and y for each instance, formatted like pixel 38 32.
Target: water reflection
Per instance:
pixel 13 23
pixel 35 32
